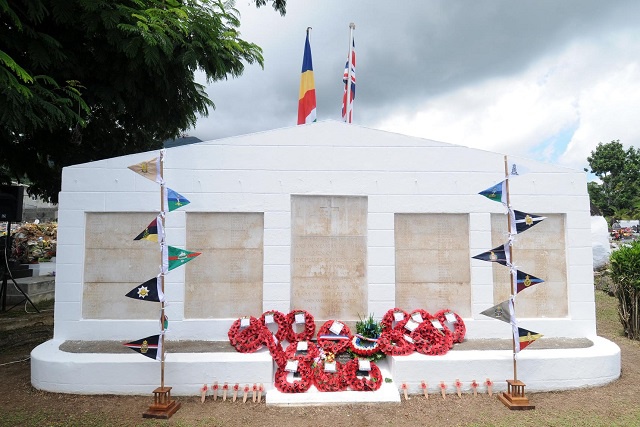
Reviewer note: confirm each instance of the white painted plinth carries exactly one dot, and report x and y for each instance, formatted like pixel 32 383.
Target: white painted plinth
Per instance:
pixel 540 370
pixel 109 373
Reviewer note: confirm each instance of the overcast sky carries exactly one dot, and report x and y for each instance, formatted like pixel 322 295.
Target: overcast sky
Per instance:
pixel 544 79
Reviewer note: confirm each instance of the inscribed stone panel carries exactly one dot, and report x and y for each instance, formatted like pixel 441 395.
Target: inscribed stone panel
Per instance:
pixel 114 264
pixel 329 256
pixel 432 262
pixel 226 280
pixel 540 252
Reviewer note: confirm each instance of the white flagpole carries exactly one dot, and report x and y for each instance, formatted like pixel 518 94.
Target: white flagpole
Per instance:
pixel 349 105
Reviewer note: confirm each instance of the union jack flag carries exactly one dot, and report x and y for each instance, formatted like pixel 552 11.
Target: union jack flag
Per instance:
pixel 349 73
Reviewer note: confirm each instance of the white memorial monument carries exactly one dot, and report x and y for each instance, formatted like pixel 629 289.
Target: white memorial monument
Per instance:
pixel 339 220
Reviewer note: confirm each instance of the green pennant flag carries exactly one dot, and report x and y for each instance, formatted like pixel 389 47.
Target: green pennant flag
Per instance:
pixel 177 257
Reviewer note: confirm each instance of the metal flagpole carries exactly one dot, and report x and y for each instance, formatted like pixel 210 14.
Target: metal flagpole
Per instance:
pixel 513 337
pixel 349 104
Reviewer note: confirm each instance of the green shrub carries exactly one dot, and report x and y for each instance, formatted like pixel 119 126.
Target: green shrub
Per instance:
pixel 625 274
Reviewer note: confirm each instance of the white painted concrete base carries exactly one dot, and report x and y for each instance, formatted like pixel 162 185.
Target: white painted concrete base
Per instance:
pixel 540 370
pixel 108 373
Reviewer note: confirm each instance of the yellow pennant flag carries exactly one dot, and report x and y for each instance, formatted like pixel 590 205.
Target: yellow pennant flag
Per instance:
pixel 149 169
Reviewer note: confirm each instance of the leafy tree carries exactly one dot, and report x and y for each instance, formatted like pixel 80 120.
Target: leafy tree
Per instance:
pixel 83 80
pixel 618 193
pixel 625 274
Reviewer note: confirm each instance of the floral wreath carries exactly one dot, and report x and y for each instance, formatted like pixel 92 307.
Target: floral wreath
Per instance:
pixel 280 319
pixel 332 345
pixel 459 330
pixel 388 319
pixel 246 340
pixel 329 381
pixel 393 343
pixel 360 350
pixel 274 346
pixel 309 326
pixel 432 341
pixel 373 383
pixel 312 352
pixel 423 313
pixel 298 385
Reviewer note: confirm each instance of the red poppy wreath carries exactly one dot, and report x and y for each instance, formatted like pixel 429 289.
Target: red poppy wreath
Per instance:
pixel 334 343
pixel 459 330
pixel 432 341
pixel 280 320
pixel 246 339
pixel 393 343
pixel 329 381
pixel 371 383
pixel 309 326
pixel 390 317
pixel 308 355
pixel 297 385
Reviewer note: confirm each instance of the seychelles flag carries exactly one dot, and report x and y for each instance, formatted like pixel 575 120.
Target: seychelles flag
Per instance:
pixel 307 96
pixel 149 346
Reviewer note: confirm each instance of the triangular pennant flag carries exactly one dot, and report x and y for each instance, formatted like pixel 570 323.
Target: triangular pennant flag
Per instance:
pixel 174 200
pixel 497 193
pixel 151 290
pixel 526 337
pixel 149 169
pixel 178 257
pixel 499 255
pixel 152 232
pixel 524 280
pixel 499 312
pixel 149 346
pixel 522 221
pixel 517 169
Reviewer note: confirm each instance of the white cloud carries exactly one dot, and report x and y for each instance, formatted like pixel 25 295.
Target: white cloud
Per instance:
pixel 591 87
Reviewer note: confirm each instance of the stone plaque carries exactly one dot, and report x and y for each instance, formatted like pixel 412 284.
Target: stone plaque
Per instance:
pixel 114 264
pixel 432 262
pixel 226 280
pixel 540 252
pixel 329 256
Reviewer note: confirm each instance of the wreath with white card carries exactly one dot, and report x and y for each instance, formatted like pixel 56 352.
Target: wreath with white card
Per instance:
pixel 448 317
pixel 397 315
pixel 300 317
pixel 325 380
pixel 334 336
pixel 372 382
pixel 304 350
pixel 393 343
pixel 277 318
pixel 431 340
pixel 283 375
pixel 244 334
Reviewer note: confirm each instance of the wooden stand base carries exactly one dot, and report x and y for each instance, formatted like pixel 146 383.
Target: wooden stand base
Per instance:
pixel 163 407
pixel 514 397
